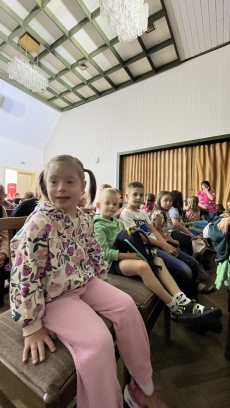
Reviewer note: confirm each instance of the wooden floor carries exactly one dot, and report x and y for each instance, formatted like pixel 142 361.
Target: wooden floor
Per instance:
pixel 192 373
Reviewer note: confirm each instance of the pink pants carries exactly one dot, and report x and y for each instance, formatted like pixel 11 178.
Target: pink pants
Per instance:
pixel 72 317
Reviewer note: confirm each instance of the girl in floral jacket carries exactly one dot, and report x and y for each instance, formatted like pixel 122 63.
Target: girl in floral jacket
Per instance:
pixel 55 291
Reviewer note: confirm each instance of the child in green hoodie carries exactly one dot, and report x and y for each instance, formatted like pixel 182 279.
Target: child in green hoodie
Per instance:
pixel 129 264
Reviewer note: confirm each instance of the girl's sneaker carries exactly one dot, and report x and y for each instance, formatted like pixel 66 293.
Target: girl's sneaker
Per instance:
pixel 194 312
pixel 136 398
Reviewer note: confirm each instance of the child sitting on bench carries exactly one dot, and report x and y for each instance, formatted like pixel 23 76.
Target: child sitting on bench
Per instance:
pixel 129 264
pixel 57 287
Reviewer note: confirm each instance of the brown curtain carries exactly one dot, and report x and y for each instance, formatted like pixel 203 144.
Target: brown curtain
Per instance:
pixel 162 170
pixel 181 169
pixel 212 163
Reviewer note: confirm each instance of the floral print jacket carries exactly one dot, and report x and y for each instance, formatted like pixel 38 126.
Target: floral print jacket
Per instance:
pixel 49 258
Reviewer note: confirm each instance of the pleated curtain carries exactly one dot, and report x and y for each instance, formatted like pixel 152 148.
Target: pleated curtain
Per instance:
pixel 181 169
pixel 161 170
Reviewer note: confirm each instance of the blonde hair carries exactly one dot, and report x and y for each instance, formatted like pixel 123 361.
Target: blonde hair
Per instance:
pixel 193 203
pixel 28 195
pixel 105 191
pixel 65 158
pixel 104 186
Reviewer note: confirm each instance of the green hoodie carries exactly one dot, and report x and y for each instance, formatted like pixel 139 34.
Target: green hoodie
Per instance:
pixel 108 231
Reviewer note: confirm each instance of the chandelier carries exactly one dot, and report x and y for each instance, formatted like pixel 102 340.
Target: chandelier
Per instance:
pixel 27 74
pixel 127 18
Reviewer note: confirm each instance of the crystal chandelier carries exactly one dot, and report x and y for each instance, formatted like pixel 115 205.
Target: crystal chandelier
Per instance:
pixel 127 18
pixel 27 74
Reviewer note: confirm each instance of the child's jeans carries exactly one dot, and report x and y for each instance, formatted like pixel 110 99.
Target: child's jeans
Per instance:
pixel 184 270
pixel 72 317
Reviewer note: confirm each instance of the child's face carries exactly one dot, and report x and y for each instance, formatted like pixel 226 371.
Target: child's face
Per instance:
pixel 135 197
pixel 64 186
pixel 2 198
pixel 166 202
pixel 228 204
pixel 108 205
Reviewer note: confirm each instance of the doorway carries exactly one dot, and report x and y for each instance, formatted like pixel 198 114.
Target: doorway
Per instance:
pixel 18 181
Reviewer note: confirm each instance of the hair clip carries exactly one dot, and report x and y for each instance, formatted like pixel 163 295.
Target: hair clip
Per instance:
pixel 48 163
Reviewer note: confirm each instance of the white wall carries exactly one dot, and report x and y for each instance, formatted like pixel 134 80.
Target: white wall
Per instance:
pixel 25 119
pixel 185 103
pixel 11 153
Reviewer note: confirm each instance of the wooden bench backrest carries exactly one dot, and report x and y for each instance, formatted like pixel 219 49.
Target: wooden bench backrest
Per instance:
pixel 12 224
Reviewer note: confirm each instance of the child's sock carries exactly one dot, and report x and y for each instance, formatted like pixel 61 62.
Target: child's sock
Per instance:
pixel 147 388
pixel 173 305
pixel 181 298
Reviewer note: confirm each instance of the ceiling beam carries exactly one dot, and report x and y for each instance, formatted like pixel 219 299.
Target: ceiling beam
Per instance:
pixel 170 29
pixel 14 45
pixel 104 37
pixel 123 85
pixel 145 51
pixel 35 95
pixel 91 17
pixel 41 5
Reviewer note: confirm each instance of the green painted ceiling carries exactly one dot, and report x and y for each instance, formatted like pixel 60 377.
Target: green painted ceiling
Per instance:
pixel 72 33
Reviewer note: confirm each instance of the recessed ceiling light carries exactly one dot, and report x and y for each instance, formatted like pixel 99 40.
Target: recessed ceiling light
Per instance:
pixel 82 67
pixel 150 28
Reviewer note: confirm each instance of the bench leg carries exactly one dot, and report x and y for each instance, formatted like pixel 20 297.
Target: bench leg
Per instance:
pixel 167 327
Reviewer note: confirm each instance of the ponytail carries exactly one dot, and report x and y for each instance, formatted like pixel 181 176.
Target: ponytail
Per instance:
pixel 41 190
pixel 92 185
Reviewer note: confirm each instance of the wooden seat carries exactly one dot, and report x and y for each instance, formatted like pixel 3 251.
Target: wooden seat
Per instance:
pixel 54 381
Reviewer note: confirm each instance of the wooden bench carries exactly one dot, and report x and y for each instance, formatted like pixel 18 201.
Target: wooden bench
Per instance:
pixel 54 381
pixel 5 402
pixel 10 224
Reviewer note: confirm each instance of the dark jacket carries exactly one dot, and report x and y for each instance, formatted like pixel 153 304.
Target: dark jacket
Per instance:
pixel 25 208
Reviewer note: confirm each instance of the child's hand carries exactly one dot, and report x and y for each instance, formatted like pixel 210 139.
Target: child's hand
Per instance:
pixel 124 256
pixel 176 242
pixel 224 225
pixel 36 344
pixel 170 249
pixel 135 256
pixel 3 258
pixel 193 237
